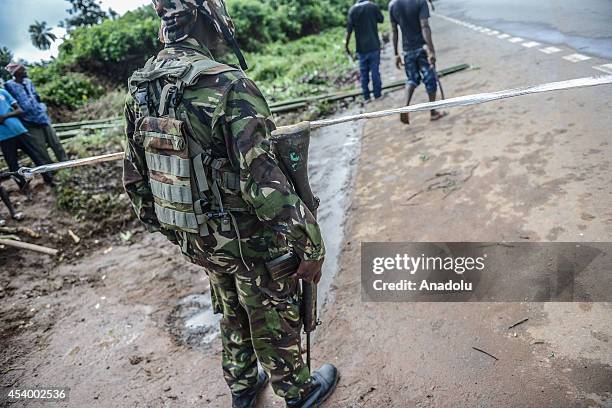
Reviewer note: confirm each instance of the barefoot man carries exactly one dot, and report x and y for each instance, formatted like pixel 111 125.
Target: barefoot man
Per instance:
pixel 412 17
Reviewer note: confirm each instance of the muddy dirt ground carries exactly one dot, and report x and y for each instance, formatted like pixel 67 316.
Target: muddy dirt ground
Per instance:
pixel 123 319
pixel 129 324
pixel 530 169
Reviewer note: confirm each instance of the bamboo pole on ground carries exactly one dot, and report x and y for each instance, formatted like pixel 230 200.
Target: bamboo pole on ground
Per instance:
pixel 28 246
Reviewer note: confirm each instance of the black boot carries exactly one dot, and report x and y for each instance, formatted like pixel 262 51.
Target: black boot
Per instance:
pixel 325 380
pixel 248 398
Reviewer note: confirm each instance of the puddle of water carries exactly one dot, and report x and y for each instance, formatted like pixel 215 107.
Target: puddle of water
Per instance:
pixel 334 152
pixel 202 319
pixel 193 322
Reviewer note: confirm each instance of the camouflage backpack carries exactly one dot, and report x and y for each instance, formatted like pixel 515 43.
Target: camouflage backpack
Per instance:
pixel 185 179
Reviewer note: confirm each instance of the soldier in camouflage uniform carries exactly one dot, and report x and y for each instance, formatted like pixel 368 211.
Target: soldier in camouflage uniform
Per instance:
pixel 199 168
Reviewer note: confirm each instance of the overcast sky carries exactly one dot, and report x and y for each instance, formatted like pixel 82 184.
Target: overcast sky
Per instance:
pixel 17 15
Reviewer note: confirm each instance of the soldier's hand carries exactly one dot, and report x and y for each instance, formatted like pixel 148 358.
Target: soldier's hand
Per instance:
pixel 310 271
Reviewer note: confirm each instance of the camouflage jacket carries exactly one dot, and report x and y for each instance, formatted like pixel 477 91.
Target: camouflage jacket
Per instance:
pixel 229 116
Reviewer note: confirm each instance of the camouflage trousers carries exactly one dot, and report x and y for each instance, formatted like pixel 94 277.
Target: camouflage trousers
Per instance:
pixel 261 323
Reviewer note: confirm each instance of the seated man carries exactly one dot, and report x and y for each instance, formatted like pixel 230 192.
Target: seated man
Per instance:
pixel 13 136
pixel 34 116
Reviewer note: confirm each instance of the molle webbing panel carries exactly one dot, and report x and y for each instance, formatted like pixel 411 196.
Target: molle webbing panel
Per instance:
pixel 171 193
pixel 172 165
pixel 185 221
pixel 170 180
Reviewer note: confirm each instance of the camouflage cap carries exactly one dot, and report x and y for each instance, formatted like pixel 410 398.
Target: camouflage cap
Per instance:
pixel 178 17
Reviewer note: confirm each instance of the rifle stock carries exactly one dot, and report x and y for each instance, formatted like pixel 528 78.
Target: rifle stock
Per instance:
pixel 291 145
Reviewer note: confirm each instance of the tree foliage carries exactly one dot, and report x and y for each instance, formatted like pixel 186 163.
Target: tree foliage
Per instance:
pixel 114 48
pixel 41 35
pixel 63 89
pixel 6 56
pixel 259 22
pixel 84 13
pixel 106 51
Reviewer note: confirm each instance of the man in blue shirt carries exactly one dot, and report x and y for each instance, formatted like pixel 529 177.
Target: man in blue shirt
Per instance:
pixel 14 136
pixel 34 116
pixel 412 16
pixel 364 18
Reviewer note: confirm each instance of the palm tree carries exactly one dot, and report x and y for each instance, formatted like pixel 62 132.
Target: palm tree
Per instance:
pixel 6 56
pixel 41 35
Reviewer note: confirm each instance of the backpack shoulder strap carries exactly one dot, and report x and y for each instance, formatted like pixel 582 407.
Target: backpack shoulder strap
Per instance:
pixel 197 68
pixel 154 70
pixel 204 66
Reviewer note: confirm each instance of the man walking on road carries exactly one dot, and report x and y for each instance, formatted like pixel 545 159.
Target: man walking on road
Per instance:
pixel 363 18
pixel 412 17
pixel 34 116
pixel 200 169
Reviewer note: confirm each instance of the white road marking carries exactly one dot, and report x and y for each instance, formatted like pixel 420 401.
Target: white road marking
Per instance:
pixel 550 50
pixel 576 58
pixel 607 68
pixel 531 44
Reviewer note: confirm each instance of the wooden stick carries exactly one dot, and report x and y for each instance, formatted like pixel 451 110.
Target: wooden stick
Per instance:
pixel 518 323
pixel 488 354
pixel 19 230
pixel 29 247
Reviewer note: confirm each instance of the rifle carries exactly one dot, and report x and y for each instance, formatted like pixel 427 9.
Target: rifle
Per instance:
pixel 309 314
pixel 291 145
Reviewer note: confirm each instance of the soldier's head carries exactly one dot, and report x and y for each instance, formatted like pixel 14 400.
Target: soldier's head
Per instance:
pixel 208 20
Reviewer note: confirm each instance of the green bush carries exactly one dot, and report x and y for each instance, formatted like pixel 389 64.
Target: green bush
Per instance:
pixel 259 22
pixel 307 66
pixel 59 89
pixel 114 48
pixel 256 24
pixel 311 16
